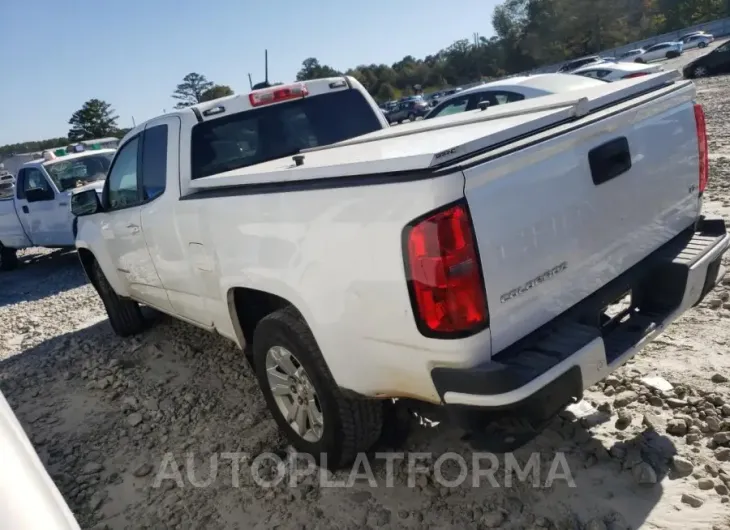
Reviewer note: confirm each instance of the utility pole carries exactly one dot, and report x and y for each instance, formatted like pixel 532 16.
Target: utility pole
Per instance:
pixel 250 83
pixel 266 66
pixel 134 124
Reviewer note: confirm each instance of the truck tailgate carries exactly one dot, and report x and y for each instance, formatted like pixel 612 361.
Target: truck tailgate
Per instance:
pixel 559 216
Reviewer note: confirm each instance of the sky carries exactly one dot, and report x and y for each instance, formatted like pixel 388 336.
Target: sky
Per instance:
pixel 56 55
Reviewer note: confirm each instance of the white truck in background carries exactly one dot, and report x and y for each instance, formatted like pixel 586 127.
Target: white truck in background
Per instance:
pixel 38 212
pixel 467 262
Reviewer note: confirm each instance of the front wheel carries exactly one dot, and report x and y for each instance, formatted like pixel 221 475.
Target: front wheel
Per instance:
pixel 125 316
pixel 411 117
pixel 702 45
pixel 700 71
pixel 8 258
pixel 303 397
pixel 640 61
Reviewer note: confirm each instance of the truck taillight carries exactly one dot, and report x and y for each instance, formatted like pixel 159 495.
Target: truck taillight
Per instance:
pixel 635 74
pixel 702 147
pixel 268 96
pixel 444 274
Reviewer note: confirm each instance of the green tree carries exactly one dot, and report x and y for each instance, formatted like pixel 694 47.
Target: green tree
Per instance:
pixel 215 92
pixel 311 69
pixel 386 92
pixel 191 90
pixel 95 119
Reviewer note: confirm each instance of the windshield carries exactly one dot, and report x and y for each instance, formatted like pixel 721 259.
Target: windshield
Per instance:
pixel 255 136
pixel 76 172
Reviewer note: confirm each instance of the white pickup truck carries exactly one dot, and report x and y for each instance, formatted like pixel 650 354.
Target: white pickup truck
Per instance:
pixel 38 214
pixel 467 262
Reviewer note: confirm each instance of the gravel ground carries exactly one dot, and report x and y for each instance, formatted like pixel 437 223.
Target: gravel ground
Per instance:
pixel 649 447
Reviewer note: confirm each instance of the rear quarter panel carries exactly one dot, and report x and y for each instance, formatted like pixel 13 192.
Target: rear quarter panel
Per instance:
pixel 336 255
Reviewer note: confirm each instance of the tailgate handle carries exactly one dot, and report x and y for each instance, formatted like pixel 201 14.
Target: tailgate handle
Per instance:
pixel 609 160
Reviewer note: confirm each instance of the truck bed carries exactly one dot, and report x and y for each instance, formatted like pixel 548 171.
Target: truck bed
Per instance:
pixel 433 144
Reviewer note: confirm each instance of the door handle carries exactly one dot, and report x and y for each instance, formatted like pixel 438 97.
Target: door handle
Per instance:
pixel 25 209
pixel 133 228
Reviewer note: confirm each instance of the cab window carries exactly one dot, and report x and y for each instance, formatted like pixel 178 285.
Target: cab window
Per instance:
pixel 123 188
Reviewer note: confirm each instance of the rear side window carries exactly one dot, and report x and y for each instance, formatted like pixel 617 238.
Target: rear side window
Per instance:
pixel 453 106
pixel 507 97
pixel 276 131
pixel 154 162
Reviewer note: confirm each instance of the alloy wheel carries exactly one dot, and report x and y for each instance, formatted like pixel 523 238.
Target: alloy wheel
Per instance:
pixel 294 394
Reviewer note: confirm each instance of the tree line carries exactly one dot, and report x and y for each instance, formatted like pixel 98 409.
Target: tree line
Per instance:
pixel 528 34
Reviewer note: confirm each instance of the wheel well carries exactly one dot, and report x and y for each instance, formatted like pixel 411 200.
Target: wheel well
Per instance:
pixel 251 306
pixel 87 262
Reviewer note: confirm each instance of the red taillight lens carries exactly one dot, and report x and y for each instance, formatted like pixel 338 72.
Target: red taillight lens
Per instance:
pixel 446 284
pixel 274 95
pixel 702 147
pixel 635 74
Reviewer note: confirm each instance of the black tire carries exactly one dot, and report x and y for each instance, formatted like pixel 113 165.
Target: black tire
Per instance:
pixel 640 61
pixel 125 316
pixel 702 45
pixel 411 117
pixel 351 425
pixel 8 258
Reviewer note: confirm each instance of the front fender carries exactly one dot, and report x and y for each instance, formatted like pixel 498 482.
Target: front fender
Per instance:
pixel 89 238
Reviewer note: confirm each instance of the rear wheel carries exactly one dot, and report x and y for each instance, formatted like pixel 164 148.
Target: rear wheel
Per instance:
pixel 8 258
pixel 640 61
pixel 303 397
pixel 702 45
pixel 125 316
pixel 411 117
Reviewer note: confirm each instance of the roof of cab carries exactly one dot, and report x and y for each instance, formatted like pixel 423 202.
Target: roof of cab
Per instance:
pixel 72 156
pixel 314 86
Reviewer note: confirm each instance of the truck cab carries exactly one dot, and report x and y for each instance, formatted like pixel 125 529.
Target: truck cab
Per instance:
pixel 39 212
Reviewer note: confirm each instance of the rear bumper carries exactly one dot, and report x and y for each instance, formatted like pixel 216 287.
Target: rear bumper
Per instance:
pixel 553 365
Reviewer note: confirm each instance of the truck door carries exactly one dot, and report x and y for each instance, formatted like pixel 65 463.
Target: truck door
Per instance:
pixel 122 227
pixel 36 205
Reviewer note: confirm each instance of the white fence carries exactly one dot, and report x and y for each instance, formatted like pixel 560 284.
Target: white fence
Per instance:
pixel 718 28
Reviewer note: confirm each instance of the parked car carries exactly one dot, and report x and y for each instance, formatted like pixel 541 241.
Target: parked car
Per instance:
pixel 692 34
pixel 617 71
pixel 699 40
pixel 38 214
pixel 31 500
pixel 410 109
pixel 509 90
pixel 713 63
pixel 7 184
pixel 663 50
pixel 464 262
pixel 578 63
pixel 630 55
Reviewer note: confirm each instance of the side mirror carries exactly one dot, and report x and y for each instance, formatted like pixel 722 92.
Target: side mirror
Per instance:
pixel 39 194
pixel 85 203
